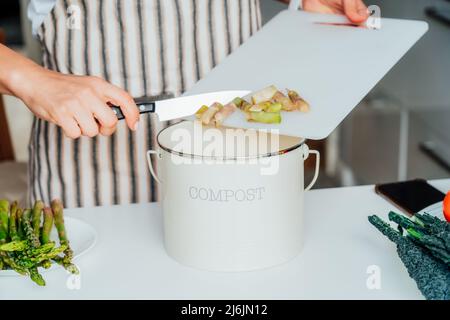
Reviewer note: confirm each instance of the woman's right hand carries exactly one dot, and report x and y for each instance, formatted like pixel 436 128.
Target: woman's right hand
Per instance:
pixel 78 104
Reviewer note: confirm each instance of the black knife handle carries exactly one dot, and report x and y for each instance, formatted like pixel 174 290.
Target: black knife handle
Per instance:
pixel 144 104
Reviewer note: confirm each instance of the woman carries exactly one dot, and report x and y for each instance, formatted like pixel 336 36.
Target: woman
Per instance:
pixel 108 51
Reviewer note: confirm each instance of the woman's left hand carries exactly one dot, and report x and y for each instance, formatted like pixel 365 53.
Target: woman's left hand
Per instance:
pixel 355 10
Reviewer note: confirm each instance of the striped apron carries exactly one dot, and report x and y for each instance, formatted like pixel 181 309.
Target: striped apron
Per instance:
pixel 157 48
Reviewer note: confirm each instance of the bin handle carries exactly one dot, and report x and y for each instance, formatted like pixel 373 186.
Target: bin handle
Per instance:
pixel 306 153
pixel 150 165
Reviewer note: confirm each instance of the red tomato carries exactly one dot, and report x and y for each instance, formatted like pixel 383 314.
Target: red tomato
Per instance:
pixel 447 207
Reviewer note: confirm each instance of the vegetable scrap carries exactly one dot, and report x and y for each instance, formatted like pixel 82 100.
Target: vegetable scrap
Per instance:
pixel 264 106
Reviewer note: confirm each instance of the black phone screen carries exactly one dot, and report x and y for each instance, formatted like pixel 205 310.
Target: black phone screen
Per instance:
pixel 411 196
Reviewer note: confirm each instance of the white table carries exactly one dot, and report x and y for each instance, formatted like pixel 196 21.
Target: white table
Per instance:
pixel 129 261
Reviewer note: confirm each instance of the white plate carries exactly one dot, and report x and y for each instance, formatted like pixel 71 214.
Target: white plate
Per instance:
pixel 82 238
pixel 434 210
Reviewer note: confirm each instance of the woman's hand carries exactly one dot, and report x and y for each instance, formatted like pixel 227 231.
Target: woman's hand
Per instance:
pixel 355 10
pixel 78 104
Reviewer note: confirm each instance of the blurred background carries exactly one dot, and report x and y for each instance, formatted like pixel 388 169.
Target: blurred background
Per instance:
pixel 400 131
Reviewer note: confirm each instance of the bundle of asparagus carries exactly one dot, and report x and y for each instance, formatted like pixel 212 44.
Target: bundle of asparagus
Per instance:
pixel 425 250
pixel 25 243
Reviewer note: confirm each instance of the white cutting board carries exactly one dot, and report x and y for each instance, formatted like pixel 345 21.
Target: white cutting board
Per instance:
pixel 332 67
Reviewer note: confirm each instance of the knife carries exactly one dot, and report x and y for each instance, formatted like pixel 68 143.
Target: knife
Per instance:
pixel 181 107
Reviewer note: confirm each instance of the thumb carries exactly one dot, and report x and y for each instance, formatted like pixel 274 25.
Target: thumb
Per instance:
pixel 356 10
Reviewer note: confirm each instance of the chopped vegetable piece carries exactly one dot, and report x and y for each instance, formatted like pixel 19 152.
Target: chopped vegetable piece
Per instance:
pixel 264 117
pixel 209 114
pixel 300 104
pixel 264 95
pixel 256 108
pixel 201 111
pixel 245 106
pixel 285 101
pixel 238 102
pixel 224 113
pixel 265 105
pixel 274 107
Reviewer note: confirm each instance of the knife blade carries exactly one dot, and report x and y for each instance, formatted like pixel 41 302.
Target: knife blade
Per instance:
pixel 181 107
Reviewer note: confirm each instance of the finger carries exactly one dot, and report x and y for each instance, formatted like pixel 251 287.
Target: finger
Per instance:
pixel 107 131
pixel 317 6
pixel 355 10
pixel 362 9
pixel 106 117
pixel 126 103
pixel 86 122
pixel 70 127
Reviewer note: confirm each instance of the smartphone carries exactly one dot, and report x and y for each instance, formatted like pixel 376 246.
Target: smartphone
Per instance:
pixel 440 14
pixel 410 196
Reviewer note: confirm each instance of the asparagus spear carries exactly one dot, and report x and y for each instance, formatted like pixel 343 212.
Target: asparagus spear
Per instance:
pixel 36 276
pixel 40 255
pixel 49 255
pixel 4 206
pixel 36 217
pixel 7 257
pixel 58 215
pixel 14 246
pixel 28 229
pixel 20 232
pixel 10 261
pixel 3 232
pixel 41 249
pixel 47 227
pixel 13 222
pixel 4 212
pixel 66 265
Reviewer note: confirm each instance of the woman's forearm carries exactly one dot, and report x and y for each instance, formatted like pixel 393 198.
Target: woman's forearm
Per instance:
pixel 15 70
